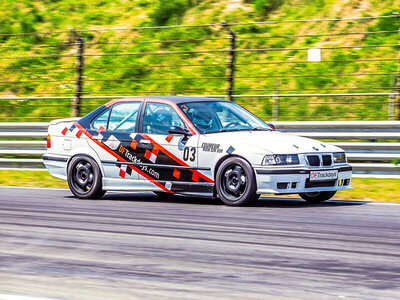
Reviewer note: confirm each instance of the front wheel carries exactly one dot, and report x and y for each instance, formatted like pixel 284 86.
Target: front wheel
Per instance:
pixel 84 178
pixel 236 182
pixel 317 197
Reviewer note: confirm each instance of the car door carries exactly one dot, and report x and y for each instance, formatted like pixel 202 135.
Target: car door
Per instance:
pixel 115 128
pixel 171 159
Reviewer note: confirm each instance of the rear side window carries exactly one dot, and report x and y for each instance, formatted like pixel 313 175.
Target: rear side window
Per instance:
pixel 123 116
pixel 101 120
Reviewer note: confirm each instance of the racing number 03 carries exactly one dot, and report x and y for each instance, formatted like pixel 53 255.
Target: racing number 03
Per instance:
pixel 189 153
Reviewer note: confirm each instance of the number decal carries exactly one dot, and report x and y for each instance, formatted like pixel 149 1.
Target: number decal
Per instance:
pixel 191 151
pixel 193 156
pixel 185 153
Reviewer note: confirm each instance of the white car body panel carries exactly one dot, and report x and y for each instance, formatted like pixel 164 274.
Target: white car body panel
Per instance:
pixel 127 171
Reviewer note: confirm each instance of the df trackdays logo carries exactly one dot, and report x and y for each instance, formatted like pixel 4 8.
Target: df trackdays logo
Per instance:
pixel 323 175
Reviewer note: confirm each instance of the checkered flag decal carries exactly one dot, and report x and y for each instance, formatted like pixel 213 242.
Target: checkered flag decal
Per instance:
pixel 123 170
pixel 74 131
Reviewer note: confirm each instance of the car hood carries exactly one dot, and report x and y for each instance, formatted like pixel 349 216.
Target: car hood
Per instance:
pixel 271 141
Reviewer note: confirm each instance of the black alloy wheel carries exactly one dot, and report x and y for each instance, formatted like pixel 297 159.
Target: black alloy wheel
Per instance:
pixel 236 182
pixel 84 178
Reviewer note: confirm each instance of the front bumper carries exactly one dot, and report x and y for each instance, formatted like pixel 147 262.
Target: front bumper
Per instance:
pixel 297 180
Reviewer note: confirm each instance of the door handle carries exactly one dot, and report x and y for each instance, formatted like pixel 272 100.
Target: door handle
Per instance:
pixel 145 142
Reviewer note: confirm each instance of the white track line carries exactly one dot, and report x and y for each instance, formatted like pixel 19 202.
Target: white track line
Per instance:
pixel 32 188
pixel 22 169
pixel 18 297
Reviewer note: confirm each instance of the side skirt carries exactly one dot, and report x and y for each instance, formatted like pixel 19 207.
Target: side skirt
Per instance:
pixel 115 184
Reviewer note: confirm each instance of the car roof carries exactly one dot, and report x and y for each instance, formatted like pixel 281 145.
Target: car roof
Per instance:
pixel 174 99
pixel 184 99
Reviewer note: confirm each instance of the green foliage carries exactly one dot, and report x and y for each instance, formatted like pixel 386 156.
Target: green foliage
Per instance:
pixel 138 74
pixel 266 6
pixel 169 10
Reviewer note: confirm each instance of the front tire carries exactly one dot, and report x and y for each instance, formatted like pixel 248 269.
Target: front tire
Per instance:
pixel 84 178
pixel 236 182
pixel 317 197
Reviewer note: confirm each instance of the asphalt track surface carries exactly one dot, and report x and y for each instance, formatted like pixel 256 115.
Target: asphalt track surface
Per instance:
pixel 137 246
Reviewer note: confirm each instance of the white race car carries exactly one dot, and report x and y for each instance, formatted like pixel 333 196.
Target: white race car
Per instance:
pixel 193 146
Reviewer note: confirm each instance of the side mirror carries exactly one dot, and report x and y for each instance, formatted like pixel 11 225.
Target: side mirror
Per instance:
pixel 179 130
pixel 272 126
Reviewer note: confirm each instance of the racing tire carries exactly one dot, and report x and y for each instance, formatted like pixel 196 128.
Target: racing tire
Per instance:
pixel 235 182
pixel 84 178
pixel 317 197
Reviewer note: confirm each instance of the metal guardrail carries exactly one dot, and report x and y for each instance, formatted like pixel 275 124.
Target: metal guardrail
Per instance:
pixel 373 147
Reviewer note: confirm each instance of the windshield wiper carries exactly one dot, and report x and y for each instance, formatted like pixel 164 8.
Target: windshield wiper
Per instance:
pixel 261 129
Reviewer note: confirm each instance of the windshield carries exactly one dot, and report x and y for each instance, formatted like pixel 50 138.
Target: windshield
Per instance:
pixel 220 116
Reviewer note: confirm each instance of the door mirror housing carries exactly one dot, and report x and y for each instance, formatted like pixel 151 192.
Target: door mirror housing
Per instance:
pixel 179 130
pixel 272 126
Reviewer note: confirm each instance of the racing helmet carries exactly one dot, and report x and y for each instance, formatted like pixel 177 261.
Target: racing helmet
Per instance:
pixel 203 118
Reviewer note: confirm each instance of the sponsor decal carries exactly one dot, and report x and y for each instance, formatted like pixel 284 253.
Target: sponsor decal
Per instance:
pixel 112 143
pixel 323 175
pixel 230 150
pixel 211 147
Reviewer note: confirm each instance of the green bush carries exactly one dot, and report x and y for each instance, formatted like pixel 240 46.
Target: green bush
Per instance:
pixel 265 6
pixel 168 10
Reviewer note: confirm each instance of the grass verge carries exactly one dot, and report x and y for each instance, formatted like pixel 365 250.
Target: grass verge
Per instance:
pixel 366 189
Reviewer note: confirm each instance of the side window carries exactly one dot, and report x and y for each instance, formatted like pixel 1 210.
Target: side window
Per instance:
pixel 123 116
pixel 100 121
pixel 159 118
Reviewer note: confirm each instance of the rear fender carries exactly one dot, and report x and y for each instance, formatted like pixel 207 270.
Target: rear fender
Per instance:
pixel 83 148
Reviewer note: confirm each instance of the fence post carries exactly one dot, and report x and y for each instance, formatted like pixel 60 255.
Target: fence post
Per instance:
pixel 231 61
pixel 76 102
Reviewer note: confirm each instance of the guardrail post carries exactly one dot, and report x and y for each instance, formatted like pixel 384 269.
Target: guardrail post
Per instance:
pixel 76 102
pixel 231 60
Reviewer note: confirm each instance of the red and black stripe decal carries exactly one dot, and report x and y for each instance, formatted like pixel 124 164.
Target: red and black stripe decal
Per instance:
pixel 152 153
pixel 121 159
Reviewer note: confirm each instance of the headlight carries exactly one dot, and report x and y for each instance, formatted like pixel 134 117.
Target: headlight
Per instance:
pixel 281 159
pixel 339 158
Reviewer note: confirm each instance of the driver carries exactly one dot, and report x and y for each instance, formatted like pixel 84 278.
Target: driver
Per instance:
pixel 203 119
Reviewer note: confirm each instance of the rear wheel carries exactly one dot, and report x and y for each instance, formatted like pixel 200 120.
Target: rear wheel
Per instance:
pixel 317 197
pixel 236 182
pixel 84 178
